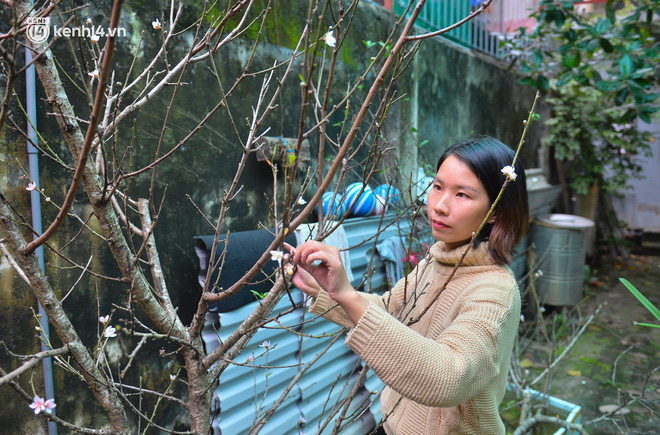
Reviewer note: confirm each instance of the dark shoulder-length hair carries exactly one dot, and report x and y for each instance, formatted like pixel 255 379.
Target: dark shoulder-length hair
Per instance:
pixel 486 156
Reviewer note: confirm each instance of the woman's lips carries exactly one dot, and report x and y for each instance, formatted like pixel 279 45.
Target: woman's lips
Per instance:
pixel 439 224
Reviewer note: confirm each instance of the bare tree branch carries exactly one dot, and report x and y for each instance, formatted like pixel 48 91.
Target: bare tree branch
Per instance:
pixel 35 359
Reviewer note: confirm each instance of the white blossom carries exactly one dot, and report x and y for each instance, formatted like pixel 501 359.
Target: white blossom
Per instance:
pixel 95 38
pixel 110 332
pixel 104 319
pixel 330 39
pixel 156 24
pixel 94 74
pixel 510 172
pixel 276 256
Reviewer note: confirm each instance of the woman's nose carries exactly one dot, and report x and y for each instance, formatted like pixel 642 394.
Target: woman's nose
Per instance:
pixel 440 204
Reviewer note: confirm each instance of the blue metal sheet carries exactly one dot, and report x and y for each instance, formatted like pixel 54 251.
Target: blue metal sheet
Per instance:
pixel 246 391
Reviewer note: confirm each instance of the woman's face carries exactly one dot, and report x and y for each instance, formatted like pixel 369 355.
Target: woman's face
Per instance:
pixel 457 203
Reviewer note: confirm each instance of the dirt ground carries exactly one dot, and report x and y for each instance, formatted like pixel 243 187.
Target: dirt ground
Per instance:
pixel 615 362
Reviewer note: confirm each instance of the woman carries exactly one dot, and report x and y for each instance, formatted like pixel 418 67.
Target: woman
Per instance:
pixel 442 351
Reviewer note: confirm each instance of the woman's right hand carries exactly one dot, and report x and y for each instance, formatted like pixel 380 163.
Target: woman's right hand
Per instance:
pixel 306 282
pixel 323 264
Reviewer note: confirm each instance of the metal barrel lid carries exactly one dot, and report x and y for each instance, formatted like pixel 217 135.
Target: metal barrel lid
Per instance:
pixel 567 221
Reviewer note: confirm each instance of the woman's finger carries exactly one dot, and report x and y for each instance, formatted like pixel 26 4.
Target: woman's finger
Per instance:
pixel 289 248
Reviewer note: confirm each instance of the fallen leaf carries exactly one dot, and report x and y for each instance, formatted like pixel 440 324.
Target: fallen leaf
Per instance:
pixel 606 409
pixel 526 363
pixel 574 373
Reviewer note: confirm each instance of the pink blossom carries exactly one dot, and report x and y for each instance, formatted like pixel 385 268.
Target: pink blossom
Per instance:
pixel 266 344
pixel 411 259
pixel 31 186
pixel 39 404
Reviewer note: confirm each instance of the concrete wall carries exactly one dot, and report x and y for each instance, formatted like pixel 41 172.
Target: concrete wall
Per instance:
pixel 449 93
pixel 639 207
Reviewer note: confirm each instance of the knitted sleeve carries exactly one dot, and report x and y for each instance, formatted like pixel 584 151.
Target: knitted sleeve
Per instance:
pixel 460 363
pixel 391 301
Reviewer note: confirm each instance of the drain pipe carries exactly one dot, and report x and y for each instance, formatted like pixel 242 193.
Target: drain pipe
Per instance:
pixel 35 199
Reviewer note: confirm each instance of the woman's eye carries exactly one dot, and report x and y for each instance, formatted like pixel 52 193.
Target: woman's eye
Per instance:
pixel 437 187
pixel 462 195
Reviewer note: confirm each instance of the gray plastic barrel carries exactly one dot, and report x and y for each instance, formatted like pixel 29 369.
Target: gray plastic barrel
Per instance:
pixel 560 242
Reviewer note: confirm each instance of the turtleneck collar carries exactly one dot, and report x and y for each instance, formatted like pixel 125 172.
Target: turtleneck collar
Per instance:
pixel 478 256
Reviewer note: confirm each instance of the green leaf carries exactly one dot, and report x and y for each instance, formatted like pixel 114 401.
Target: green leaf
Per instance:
pixel 537 56
pixel 621 96
pixel 564 78
pixel 259 295
pixel 602 25
pixel 526 81
pixel 641 72
pixel 565 48
pixel 571 60
pixel 625 65
pixel 649 306
pixel 560 18
pixel 606 45
pixel 649 324
pixel 606 86
pixel 582 78
pixel 645 117
pixel 571 35
pixel 543 83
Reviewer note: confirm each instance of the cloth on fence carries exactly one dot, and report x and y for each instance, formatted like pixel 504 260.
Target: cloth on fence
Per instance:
pixel 244 248
pixel 392 253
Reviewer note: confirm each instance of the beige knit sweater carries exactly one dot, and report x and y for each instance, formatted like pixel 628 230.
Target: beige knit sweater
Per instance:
pixel 446 373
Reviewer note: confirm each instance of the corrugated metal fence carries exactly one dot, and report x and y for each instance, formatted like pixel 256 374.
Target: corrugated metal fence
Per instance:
pixel 247 391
